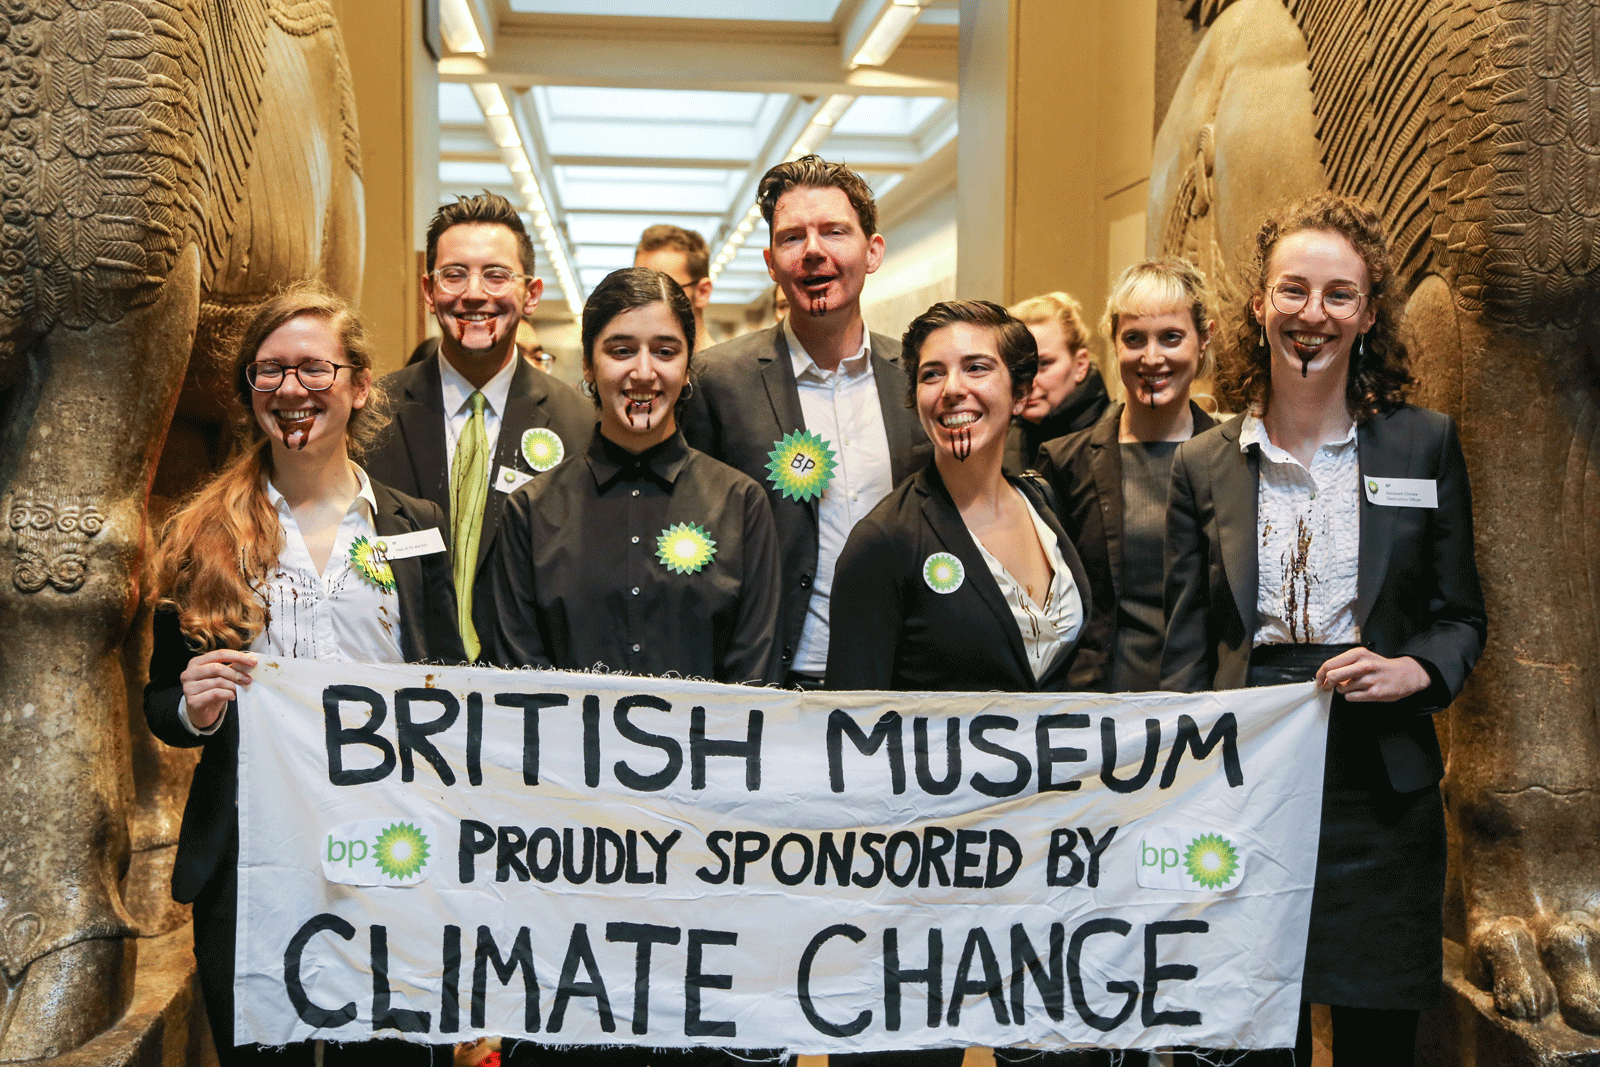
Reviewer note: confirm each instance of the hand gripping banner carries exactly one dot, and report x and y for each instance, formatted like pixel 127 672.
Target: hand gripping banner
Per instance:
pixel 443 853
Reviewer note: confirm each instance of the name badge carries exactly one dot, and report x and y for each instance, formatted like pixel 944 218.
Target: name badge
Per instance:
pixel 1403 492
pixel 404 546
pixel 509 481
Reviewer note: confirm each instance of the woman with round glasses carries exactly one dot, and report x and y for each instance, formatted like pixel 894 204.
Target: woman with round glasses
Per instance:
pixel 275 556
pixel 1326 534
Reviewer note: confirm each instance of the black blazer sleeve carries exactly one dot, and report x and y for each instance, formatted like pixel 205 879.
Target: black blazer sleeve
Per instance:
pixel 753 652
pixel 169 657
pixel 866 609
pixel 517 639
pixel 1450 647
pixel 1188 660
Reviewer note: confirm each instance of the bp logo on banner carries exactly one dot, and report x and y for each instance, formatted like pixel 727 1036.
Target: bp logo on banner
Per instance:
pixel 1193 858
pixel 377 852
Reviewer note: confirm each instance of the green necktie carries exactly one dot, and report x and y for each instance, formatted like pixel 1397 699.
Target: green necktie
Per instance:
pixel 469 488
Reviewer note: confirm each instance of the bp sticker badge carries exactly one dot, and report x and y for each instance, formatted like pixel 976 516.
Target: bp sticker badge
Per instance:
pixel 542 448
pixel 943 573
pixel 1211 860
pixel 370 564
pixel 400 851
pixel 685 547
pixel 801 465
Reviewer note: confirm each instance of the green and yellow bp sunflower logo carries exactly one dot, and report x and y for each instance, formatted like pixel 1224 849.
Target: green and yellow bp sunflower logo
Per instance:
pixel 542 448
pixel 801 466
pixel 1211 860
pixel 401 851
pixel 367 558
pixel 685 547
pixel 943 573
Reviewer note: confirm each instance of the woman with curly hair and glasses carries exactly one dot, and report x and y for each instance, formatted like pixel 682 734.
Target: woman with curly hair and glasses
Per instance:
pixel 1326 534
pixel 275 557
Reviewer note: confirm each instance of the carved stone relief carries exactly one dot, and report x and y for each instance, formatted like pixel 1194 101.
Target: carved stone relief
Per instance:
pixel 134 181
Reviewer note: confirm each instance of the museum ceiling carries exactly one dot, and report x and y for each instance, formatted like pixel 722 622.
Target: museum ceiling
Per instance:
pixel 601 117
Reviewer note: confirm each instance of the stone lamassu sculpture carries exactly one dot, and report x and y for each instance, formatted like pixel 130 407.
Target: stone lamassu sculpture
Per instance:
pixel 1475 126
pixel 163 165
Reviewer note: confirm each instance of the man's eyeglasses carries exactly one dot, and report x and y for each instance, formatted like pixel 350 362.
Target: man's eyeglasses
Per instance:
pixel 315 375
pixel 1339 301
pixel 496 281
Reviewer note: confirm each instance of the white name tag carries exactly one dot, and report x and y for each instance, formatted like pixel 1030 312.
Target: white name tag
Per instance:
pixel 404 546
pixel 508 481
pixel 1403 492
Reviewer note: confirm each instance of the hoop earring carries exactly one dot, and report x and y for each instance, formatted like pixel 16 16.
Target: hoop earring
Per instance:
pixel 688 390
pixel 586 387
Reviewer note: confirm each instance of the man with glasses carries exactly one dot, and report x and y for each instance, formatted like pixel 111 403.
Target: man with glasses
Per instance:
pixel 473 422
pixel 681 254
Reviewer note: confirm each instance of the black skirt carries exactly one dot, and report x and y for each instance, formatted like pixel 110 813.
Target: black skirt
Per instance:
pixel 1377 911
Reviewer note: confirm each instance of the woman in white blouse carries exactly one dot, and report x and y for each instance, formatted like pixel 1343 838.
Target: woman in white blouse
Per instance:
pixel 1291 557
pixel 276 557
pixel 960 579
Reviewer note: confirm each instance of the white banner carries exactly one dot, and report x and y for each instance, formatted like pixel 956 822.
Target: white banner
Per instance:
pixel 444 853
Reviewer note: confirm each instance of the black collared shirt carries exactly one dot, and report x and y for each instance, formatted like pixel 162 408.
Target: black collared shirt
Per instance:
pixel 578 581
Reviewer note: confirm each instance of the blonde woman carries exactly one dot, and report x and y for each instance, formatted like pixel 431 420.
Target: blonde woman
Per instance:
pixel 1111 479
pixel 1068 393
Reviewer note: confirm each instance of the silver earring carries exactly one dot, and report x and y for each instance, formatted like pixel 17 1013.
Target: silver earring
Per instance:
pixel 688 390
pixel 587 388
pixel 1360 337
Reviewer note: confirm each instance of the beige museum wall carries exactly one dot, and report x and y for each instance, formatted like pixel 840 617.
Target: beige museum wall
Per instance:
pixel 1057 120
pixel 396 92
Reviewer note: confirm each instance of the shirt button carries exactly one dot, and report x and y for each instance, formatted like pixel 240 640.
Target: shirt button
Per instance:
pixel 636 492
pixel 635 590
pixel 635 540
pixel 636 648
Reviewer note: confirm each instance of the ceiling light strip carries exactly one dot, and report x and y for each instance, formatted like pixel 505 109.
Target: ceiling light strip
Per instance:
pixel 503 129
pixel 894 21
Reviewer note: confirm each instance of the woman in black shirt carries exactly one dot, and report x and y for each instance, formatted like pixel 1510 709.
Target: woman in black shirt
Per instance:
pixel 642 555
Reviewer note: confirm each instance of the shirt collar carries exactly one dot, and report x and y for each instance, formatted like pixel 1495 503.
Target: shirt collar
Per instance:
pixel 802 363
pixel 363 493
pixel 1252 431
pixel 457 390
pixel 609 462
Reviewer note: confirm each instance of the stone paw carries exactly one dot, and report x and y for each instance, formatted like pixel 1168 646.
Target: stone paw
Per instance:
pixel 1570 949
pixel 1508 956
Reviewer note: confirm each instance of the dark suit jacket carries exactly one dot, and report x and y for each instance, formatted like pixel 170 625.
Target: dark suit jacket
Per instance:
pixel 427 632
pixel 411 455
pixel 1417 591
pixel 745 401
pixel 889 630
pixel 1085 470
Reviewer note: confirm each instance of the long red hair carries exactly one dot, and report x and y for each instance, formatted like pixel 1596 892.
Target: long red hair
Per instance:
pixel 218 551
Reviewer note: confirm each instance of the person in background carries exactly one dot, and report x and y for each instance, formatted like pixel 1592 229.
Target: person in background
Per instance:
pixel 474 422
pixel 530 349
pixel 642 555
pixel 1068 393
pixel 1111 479
pixel 273 558
pixel 780 304
pixel 1291 558
pixel 682 254
pixel 811 408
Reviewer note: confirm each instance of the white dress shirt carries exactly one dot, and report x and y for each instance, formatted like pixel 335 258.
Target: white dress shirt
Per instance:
pixel 1308 541
pixel 336 614
pixel 1047 629
pixel 458 408
pixel 841 407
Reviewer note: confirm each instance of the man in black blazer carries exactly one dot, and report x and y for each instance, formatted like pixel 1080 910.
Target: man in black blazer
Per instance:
pixel 531 419
pixel 819 373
